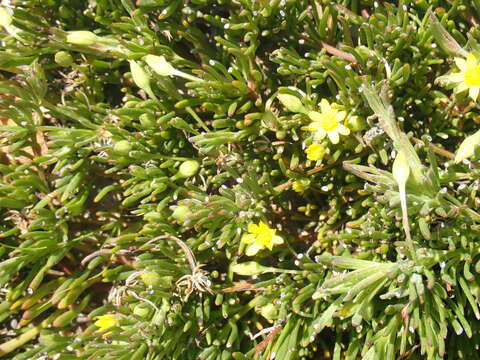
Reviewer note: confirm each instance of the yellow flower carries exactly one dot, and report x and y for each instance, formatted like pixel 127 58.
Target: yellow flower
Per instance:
pixel 315 152
pixel 469 76
pixel 328 122
pixel 260 236
pixel 105 322
pixel 298 187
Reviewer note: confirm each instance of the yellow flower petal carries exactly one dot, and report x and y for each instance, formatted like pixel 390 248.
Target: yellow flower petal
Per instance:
pixel 277 240
pixel 253 228
pixel 319 134
pixel 315 152
pixel 105 322
pixel 248 238
pixel 471 60
pixel 461 63
pixel 456 77
pixel 473 92
pixel 253 249
pixel 315 116
pixel 325 105
pixel 334 137
pixel 342 129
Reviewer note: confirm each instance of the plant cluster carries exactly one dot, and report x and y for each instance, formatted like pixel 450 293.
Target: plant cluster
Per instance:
pixel 232 179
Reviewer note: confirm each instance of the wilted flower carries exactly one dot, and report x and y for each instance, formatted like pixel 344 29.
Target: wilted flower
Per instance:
pixel 260 236
pixel 327 122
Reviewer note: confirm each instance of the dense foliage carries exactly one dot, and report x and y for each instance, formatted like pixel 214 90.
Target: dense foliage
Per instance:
pixel 233 179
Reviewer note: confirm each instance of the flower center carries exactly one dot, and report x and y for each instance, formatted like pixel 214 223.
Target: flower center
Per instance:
pixel 329 121
pixel 472 76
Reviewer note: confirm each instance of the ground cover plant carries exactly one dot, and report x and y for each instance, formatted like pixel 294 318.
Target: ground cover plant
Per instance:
pixel 233 179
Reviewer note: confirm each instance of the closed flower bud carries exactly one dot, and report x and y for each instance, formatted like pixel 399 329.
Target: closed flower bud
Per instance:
pixel 249 268
pixel 180 213
pixel 269 312
pixel 63 58
pixel 160 65
pixel 401 169
pixel 188 168
pixel 151 278
pixel 85 38
pixel 467 147
pixel 5 17
pixel 141 310
pixel 356 123
pixel 139 76
pixel 291 103
pixel 122 147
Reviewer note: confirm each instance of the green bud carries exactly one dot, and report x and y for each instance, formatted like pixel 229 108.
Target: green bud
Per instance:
pixel 467 147
pixel 188 168
pixel 63 58
pixel 141 310
pixel 180 213
pixel 292 103
pixel 356 123
pixel 401 169
pixel 5 17
pixel 139 76
pixel 122 147
pixel 147 120
pixel 160 65
pixel 249 268
pixel 151 278
pixel 269 312
pixel 85 38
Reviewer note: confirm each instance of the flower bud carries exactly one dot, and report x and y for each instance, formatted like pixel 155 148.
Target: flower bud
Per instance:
pixel 269 312
pixel 122 147
pixel 152 278
pixel 85 38
pixel 467 147
pixel 5 17
pixel 188 168
pixel 160 65
pixel 291 103
pixel 180 213
pixel 139 76
pixel 249 268
pixel 63 58
pixel 400 168
pixel 356 123
pixel 141 310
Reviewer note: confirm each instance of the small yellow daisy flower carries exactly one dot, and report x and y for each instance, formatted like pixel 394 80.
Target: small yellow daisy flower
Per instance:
pixel 469 76
pixel 315 152
pixel 260 236
pixel 105 322
pixel 298 187
pixel 328 122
